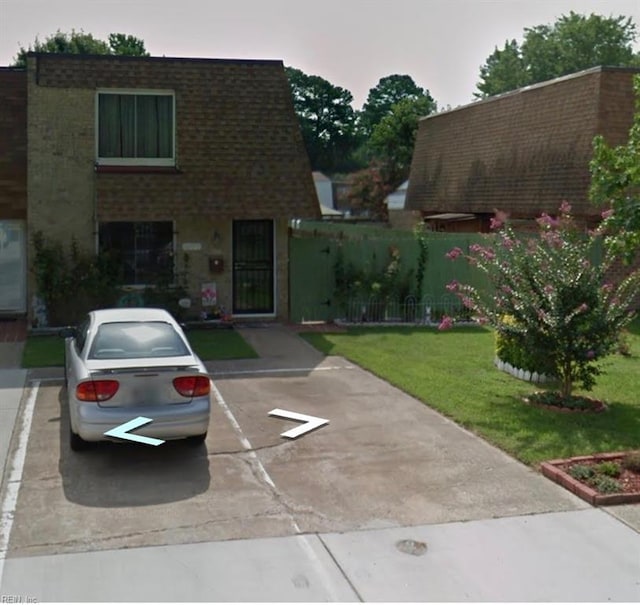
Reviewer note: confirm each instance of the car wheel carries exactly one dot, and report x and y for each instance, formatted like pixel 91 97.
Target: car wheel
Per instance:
pixel 77 443
pixel 197 439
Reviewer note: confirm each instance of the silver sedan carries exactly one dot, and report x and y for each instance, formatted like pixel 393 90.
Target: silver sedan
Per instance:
pixel 123 364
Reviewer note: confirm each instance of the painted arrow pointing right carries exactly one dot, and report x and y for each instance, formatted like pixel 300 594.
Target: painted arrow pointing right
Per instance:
pixel 311 422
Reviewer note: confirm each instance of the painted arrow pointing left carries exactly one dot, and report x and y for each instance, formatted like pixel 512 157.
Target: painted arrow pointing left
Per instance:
pixel 310 422
pixel 122 431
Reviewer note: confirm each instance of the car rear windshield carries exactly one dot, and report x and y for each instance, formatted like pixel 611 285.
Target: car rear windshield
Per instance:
pixel 133 339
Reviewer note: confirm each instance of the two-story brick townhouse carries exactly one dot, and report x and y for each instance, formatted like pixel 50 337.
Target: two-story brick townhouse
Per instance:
pixel 159 158
pixel 522 152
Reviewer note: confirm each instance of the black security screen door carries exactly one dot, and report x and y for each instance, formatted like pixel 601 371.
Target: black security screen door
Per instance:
pixel 253 267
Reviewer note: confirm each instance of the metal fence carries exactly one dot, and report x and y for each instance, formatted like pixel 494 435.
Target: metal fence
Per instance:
pixel 410 310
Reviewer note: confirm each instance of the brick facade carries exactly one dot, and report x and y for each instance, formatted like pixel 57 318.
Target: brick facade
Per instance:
pixel 524 151
pixel 13 144
pixel 239 155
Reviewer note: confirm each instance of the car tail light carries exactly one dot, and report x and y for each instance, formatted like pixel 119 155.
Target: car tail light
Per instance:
pixel 192 386
pixel 97 390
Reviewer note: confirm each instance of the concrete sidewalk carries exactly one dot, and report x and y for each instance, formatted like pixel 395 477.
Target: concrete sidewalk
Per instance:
pixel 579 556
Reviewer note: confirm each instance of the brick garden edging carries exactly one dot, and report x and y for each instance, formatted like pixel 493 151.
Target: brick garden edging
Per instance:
pixel 551 471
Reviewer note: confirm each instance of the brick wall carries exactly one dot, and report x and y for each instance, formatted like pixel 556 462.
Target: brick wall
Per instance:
pixel 239 153
pixel 61 176
pixel 13 144
pixel 522 152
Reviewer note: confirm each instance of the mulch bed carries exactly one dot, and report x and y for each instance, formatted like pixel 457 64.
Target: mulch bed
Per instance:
pixel 629 480
pixel 578 404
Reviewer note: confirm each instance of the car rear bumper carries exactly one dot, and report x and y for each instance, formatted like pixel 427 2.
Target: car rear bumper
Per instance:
pixel 168 422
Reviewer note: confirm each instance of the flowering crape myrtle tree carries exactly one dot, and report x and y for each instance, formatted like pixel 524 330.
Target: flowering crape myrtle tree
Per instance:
pixel 550 296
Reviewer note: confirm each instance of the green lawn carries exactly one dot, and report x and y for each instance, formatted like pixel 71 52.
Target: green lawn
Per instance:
pixel 48 351
pixel 219 344
pixel 453 372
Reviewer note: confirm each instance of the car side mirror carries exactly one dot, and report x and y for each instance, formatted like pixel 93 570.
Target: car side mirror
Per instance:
pixel 68 332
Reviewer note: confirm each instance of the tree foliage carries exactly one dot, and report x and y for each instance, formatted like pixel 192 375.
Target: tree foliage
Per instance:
pixel 393 138
pixel 327 120
pixel 573 43
pixel 381 99
pixel 368 190
pixel 504 70
pixel 80 43
pixel 615 183
pixel 551 296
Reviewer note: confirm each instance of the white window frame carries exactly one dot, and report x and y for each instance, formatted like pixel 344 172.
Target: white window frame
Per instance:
pixel 133 161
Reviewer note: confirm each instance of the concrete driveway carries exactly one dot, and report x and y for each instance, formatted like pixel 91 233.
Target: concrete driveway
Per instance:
pixel 385 463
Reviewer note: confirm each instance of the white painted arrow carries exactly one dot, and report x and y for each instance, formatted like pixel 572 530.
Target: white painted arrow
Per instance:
pixel 311 422
pixel 122 431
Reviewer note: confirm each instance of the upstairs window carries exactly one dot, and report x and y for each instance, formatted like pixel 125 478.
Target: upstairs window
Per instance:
pixel 135 128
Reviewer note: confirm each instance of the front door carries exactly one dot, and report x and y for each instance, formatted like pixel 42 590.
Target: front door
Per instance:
pixel 13 268
pixel 253 267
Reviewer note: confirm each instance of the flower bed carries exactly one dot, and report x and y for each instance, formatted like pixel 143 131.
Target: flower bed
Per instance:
pixel 583 475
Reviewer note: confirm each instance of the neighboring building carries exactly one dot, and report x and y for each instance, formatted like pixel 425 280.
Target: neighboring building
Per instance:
pixel 13 191
pixel 324 189
pixel 522 152
pixel 161 158
pixel 399 216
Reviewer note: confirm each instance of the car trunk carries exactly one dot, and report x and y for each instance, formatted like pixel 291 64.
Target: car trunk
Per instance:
pixel 148 384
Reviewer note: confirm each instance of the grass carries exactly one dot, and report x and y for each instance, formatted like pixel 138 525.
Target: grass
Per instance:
pixel 453 372
pixel 212 345
pixel 48 351
pixel 43 352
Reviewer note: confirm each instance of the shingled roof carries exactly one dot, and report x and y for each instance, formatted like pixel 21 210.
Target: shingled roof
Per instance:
pixel 239 149
pixel 524 151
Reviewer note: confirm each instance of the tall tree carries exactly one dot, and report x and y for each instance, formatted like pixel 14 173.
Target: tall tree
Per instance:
pixel 326 118
pixel 393 138
pixel 573 43
pixel 384 95
pixel 504 70
pixel 124 44
pixel 83 44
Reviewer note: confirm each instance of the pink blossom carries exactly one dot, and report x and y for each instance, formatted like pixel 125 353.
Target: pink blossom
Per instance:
pixel 498 219
pixel 583 307
pixel 453 254
pixel 482 320
pixel 467 302
pixel 507 290
pixel 591 354
pixel 565 207
pixel 507 242
pixel 547 221
pixel 607 287
pixel 453 286
pixel 607 214
pixel 475 248
pixel 549 289
pixel 487 254
pixel 446 323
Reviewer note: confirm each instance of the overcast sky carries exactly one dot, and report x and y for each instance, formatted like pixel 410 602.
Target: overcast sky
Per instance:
pixel 352 43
